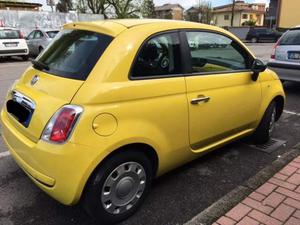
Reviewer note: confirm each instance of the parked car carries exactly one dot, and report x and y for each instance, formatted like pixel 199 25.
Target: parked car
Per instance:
pixel 103 111
pixel 12 43
pixel 38 40
pixel 258 34
pixel 285 59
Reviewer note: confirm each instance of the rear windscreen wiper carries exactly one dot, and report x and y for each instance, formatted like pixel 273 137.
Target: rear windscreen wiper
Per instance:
pixel 39 65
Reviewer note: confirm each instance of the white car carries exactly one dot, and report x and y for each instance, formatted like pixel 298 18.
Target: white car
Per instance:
pixel 12 43
pixel 285 59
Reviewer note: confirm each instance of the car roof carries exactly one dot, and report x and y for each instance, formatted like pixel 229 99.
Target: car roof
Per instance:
pixel 115 26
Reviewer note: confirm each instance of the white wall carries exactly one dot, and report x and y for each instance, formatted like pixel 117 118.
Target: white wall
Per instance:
pixel 27 21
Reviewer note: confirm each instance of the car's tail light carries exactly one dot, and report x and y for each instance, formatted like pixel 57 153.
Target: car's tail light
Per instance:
pixel 62 124
pixel 273 55
pixel 21 34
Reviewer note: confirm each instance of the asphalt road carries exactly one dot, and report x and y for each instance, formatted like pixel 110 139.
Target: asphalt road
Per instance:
pixel 175 197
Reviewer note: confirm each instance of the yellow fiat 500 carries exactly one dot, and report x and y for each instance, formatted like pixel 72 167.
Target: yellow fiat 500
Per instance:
pixel 110 105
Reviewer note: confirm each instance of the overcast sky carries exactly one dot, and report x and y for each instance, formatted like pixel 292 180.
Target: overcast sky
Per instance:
pixel 185 3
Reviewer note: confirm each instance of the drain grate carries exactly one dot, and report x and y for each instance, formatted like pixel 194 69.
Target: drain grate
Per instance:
pixel 270 146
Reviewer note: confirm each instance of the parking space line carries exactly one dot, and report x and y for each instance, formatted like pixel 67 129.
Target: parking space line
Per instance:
pixel 291 112
pixel 4 154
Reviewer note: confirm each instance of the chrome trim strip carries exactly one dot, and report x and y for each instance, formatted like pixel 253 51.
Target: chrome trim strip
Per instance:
pixel 23 100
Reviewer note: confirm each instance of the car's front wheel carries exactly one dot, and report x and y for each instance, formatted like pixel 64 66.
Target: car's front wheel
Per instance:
pixel 118 187
pixel 266 127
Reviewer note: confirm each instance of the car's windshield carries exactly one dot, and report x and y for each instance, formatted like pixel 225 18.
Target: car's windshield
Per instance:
pixel 52 34
pixel 10 34
pixel 73 53
pixel 291 38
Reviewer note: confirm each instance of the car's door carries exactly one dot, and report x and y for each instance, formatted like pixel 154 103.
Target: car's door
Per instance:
pixel 270 34
pixel 37 42
pixel 29 41
pixel 264 34
pixel 223 99
pixel 158 92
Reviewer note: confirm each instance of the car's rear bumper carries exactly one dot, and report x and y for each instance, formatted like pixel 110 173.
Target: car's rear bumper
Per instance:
pixel 60 170
pixel 286 71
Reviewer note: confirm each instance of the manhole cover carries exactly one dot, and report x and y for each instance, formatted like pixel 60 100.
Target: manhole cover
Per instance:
pixel 270 146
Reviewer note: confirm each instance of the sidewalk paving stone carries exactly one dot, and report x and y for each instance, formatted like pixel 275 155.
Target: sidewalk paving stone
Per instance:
pixel 276 202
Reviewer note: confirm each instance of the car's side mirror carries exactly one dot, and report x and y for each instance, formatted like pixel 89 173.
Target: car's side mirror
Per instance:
pixel 258 66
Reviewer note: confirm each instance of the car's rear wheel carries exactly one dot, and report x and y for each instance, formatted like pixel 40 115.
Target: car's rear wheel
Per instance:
pixel 41 49
pixel 266 127
pixel 254 40
pixel 118 187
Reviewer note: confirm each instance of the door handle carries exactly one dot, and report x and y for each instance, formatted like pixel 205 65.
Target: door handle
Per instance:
pixel 196 101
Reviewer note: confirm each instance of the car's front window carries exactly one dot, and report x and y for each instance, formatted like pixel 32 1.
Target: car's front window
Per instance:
pixel 10 34
pixel 291 38
pixel 73 53
pixel 212 52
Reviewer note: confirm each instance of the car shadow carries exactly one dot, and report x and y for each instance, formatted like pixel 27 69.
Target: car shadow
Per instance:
pixel 291 87
pixel 12 59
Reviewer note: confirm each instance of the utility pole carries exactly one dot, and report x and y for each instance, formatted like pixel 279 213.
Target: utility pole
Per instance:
pixel 232 12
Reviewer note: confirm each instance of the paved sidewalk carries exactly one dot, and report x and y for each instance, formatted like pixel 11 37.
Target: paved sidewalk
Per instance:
pixel 275 202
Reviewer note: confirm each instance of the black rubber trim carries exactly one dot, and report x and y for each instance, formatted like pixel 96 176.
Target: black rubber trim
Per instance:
pixel 13 51
pixel 284 66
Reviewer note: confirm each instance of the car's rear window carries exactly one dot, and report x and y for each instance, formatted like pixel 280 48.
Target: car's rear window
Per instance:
pixel 52 34
pixel 74 53
pixel 10 34
pixel 292 37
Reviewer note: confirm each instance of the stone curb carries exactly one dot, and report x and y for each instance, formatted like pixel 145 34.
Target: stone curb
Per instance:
pixel 227 202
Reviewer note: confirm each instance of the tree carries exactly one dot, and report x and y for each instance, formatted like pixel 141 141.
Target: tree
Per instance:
pixel 201 12
pixel 126 8
pixel 81 6
pixel 64 6
pixel 250 23
pixel 148 9
pixel 97 6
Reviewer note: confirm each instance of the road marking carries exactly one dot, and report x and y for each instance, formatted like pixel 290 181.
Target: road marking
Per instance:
pixel 4 154
pixel 291 112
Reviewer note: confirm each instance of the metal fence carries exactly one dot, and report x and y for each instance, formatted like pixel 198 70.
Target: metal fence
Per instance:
pixel 27 21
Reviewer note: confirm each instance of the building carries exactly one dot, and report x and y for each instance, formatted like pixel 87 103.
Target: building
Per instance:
pixel 199 14
pixel 285 13
pixel 271 14
pixel 16 5
pixel 243 13
pixel 193 14
pixel 169 11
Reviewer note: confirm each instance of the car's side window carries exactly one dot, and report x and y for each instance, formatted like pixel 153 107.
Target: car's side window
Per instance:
pixel 38 34
pixel 159 56
pixel 30 36
pixel 213 52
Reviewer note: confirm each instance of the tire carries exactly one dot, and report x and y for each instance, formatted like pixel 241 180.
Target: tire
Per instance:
pixel 40 50
pixel 25 57
pixel 265 129
pixel 118 182
pixel 254 40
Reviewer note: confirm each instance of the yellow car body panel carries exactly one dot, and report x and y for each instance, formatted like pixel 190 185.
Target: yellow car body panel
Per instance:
pixel 119 111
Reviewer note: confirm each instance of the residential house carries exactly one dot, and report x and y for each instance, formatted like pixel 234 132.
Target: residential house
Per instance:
pixel 271 14
pixel 199 14
pixel 169 11
pixel 19 5
pixel 243 12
